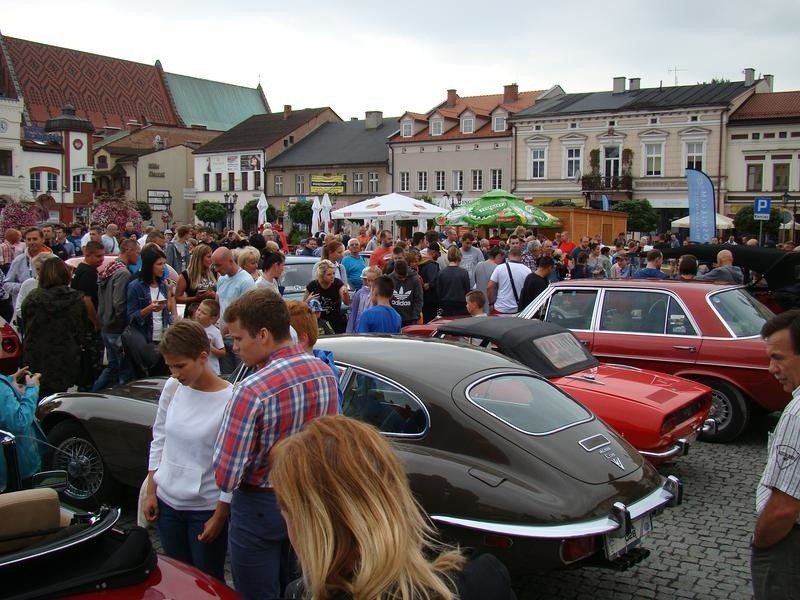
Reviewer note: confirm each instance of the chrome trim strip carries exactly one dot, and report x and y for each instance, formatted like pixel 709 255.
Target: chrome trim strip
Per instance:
pixel 680 448
pixel 655 500
pixel 709 427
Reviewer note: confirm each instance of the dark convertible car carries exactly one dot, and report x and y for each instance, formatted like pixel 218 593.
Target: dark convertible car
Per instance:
pixel 500 458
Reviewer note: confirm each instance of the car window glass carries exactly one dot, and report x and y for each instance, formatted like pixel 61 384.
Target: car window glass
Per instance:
pixel 527 403
pixel 634 312
pixel 386 406
pixel 743 314
pixel 561 349
pixel 678 322
pixel 572 309
pixel 296 276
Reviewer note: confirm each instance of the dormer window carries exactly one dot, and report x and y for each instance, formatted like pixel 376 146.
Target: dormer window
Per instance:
pixel 407 129
pixel 436 127
pixel 467 125
pixel 499 123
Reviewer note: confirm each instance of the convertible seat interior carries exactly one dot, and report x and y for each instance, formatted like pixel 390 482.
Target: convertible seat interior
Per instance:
pixel 27 517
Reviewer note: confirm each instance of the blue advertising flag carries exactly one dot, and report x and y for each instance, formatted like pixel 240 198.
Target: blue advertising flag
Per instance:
pixel 605 202
pixel 702 206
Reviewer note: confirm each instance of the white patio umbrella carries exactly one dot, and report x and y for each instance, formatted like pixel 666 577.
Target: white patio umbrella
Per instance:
pixel 721 222
pixel 325 214
pixel 316 208
pixel 262 209
pixel 790 225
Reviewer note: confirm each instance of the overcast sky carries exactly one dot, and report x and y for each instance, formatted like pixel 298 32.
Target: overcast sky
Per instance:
pixel 360 55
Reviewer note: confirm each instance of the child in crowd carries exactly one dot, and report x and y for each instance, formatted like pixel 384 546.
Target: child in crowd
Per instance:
pixel 381 318
pixel 207 314
pixel 323 327
pixel 476 302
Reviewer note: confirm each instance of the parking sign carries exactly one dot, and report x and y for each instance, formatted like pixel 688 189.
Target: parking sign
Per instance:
pixel 762 208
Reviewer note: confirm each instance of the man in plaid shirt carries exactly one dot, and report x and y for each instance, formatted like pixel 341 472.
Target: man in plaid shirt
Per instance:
pixel 289 388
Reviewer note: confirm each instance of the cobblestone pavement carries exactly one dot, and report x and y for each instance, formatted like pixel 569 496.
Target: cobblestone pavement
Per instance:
pixel 698 550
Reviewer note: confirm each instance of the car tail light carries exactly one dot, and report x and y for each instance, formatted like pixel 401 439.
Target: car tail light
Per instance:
pixel 577 548
pixel 672 420
pixel 500 542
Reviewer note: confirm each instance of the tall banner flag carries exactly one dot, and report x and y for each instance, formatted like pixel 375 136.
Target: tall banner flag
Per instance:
pixel 702 206
pixel 605 202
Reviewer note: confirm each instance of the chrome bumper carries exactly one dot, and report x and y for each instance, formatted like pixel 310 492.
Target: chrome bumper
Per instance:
pixel 669 494
pixel 709 427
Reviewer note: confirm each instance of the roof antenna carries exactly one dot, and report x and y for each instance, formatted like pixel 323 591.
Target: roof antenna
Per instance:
pixel 259 79
pixel 675 71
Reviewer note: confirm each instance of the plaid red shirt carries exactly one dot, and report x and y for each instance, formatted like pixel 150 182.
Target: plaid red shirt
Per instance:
pixel 292 388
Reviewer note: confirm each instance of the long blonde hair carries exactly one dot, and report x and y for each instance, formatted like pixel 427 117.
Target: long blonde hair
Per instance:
pixel 355 525
pixel 196 270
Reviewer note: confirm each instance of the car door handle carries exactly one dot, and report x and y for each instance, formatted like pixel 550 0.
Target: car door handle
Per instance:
pixel 584 342
pixel 689 348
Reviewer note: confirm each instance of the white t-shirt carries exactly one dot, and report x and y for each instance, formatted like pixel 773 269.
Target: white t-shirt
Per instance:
pixel 215 337
pixel 505 301
pixel 158 320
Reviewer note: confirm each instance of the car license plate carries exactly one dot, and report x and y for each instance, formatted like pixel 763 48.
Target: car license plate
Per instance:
pixel 617 546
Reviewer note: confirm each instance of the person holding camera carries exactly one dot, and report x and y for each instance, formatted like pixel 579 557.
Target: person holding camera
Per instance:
pixel 19 394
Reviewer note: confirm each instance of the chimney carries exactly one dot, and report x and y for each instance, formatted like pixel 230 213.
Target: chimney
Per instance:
pixel 619 85
pixel 510 93
pixel 770 79
pixel 287 111
pixel 452 98
pixel 749 76
pixel 634 83
pixel 374 119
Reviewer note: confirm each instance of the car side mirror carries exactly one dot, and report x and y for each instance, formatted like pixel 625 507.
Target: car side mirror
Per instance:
pixel 50 479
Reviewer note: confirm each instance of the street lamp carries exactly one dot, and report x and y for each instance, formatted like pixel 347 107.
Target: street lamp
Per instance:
pixel 786 200
pixel 230 204
pixel 453 200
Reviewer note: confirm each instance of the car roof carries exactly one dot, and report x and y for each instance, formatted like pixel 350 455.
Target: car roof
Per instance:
pixel 514 335
pixel 300 260
pixel 699 285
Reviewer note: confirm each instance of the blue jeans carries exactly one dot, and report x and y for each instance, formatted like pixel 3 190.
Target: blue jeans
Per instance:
pixel 118 370
pixel 178 530
pixel 262 560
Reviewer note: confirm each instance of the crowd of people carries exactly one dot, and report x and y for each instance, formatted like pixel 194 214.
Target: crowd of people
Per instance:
pixel 230 470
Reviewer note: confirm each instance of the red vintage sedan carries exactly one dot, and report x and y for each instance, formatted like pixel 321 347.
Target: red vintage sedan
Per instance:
pixel 708 332
pixel 658 414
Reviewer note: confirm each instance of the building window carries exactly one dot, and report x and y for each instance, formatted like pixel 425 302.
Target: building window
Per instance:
pixel 739 136
pixel 300 185
pixel 573 125
pixel 467 125
pixel 5 163
pixel 653 159
pixel 436 127
pixel 405 181
pixel 755 178
pixel 77 180
pixel 278 185
pixel 458 181
pixel 102 162
pixel 612 123
pixel 497 179
pixel 573 162
pixel 407 129
pixel 256 180
pixel 499 123
pixel 780 177
pixel 422 181
pixel 245 180
pixel 755 136
pixel 477 180
pixel 769 136
pixel 206 182
pixel 693 118
pixel 782 135
pixel 537 163
pixel 231 182
pixel 694 155
pixel 218 181
pixel 372 182
pixel 611 161
pixel 358 183
pixel 52 182
pixel 653 120
pixel 126 183
pixel 441 181
pixel 36 181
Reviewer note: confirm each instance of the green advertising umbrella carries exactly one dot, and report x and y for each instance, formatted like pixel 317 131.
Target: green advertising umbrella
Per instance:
pixel 499 208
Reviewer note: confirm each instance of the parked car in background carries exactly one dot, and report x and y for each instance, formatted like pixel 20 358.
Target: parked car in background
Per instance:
pixel 298 272
pixel 703 331
pixel 501 460
pixel 659 414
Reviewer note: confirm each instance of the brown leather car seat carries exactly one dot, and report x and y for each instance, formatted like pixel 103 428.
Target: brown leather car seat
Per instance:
pixel 27 517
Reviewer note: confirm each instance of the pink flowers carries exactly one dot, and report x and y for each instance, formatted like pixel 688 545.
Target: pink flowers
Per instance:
pixel 20 215
pixel 118 212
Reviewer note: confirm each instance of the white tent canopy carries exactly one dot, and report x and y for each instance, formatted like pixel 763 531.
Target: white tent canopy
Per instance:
pixel 722 222
pixel 389 207
pixel 790 225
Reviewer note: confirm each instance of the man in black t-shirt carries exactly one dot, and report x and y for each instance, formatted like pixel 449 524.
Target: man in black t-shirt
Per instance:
pixel 85 280
pixel 536 282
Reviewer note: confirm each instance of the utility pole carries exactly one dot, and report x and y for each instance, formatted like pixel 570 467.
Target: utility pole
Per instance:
pixel 675 71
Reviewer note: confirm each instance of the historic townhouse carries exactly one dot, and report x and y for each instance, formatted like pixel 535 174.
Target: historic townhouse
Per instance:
pixel 630 142
pixel 463 147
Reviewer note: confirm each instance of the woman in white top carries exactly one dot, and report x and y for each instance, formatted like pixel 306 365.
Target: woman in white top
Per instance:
pixel 272 264
pixel 182 495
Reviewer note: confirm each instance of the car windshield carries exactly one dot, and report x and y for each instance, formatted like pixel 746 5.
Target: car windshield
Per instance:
pixel 743 314
pixel 527 403
pixel 297 276
pixel 561 350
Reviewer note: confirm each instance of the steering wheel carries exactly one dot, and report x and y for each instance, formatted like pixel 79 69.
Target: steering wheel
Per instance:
pixel 555 315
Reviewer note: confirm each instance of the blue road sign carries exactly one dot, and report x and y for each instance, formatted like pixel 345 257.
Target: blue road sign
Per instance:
pixel 762 208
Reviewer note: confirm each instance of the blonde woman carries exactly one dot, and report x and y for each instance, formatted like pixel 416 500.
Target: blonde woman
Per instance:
pixel 333 251
pixel 331 292
pixel 247 258
pixel 356 528
pixel 198 282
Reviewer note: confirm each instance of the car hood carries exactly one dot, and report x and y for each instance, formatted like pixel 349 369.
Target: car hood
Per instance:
pixel 666 392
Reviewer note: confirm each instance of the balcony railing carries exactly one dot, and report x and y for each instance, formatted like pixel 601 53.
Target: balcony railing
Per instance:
pixel 600 183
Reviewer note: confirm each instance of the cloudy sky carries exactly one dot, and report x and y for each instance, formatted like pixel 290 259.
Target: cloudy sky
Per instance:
pixel 359 55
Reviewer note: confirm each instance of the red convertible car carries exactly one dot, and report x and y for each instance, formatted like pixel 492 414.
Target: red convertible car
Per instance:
pixel 708 332
pixel 658 414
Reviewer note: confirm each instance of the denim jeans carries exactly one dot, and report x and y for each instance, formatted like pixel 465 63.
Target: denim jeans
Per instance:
pixel 178 530
pixel 776 570
pixel 262 560
pixel 118 370
pixel 229 362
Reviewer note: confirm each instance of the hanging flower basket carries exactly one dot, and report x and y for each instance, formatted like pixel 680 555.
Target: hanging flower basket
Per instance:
pixel 21 215
pixel 118 212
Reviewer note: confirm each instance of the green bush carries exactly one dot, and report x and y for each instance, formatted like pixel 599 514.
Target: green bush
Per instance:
pixel 210 212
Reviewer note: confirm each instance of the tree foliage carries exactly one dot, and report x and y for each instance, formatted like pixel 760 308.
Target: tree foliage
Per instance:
pixel 144 210
pixel 559 202
pixel 301 212
pixel 641 215
pixel 249 214
pixel 210 212
pixel 745 223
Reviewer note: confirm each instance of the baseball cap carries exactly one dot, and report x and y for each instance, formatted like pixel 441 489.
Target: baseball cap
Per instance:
pixel 314 305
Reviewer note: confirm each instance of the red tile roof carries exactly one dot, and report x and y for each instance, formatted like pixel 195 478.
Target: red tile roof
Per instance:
pixel 142 141
pixel 107 91
pixel 774 105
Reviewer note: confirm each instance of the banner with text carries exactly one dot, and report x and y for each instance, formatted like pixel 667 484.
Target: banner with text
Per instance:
pixel 702 206
pixel 331 184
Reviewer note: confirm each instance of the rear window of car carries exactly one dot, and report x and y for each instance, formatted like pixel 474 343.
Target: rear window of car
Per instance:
pixel 743 314
pixel 527 403
pixel 297 276
pixel 561 349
